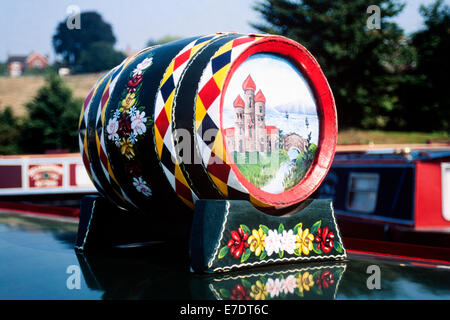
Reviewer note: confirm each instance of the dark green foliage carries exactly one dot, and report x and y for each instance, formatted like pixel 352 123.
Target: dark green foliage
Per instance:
pixel 3 69
pixel 162 40
pixel 379 78
pixel 52 121
pixel 71 43
pixel 353 58
pixel 100 56
pixel 9 132
pixel 424 103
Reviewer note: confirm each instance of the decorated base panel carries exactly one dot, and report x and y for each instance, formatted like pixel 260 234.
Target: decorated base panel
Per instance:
pixel 231 235
pixel 221 116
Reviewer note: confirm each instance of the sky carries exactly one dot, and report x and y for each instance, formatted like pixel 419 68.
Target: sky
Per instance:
pixel 29 25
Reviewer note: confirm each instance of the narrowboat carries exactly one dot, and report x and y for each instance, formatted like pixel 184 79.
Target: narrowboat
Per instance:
pixel 399 195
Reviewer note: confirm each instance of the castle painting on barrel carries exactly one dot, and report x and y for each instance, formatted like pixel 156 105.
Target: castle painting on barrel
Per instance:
pixel 270 122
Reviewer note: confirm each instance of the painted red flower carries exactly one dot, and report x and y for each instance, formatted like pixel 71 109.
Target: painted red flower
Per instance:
pixel 238 242
pixel 133 168
pixel 124 125
pixel 135 80
pixel 240 293
pixel 324 239
pixel 325 280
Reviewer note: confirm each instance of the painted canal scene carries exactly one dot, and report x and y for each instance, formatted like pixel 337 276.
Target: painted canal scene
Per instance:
pixel 270 122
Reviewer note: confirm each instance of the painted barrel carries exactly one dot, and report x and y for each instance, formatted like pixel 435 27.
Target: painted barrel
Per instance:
pixel 221 116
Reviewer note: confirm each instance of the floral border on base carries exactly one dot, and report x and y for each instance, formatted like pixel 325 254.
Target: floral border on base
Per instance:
pixel 264 242
pixel 129 123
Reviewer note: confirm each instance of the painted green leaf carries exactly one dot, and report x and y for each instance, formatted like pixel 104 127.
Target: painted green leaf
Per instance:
pixel 280 228
pixel 263 280
pixel 224 293
pixel 318 291
pixel 246 229
pixel 245 255
pixel 223 252
pixel 281 253
pixel 246 283
pixel 338 246
pixel 298 292
pixel 297 226
pixel 263 255
pixel 318 251
pixel 315 226
pixel 264 228
pixel 297 253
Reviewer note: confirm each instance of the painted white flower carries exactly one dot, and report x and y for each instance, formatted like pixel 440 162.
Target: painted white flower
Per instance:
pixel 289 284
pixel 132 111
pixel 111 128
pixel 138 123
pixel 142 187
pixel 116 114
pixel 288 241
pixel 147 62
pixel 273 242
pixel 117 141
pixel 274 287
pixel 133 138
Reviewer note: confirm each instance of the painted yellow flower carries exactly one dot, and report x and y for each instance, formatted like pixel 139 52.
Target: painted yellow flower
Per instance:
pixel 128 102
pixel 257 241
pixel 126 148
pixel 304 241
pixel 258 291
pixel 304 282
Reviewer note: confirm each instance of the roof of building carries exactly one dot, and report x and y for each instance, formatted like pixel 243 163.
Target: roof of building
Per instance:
pixel 271 129
pixel 35 55
pixel 238 102
pixel 260 97
pixel 249 84
pixel 17 59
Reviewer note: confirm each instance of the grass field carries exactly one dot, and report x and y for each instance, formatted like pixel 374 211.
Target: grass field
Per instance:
pixel 16 92
pixel 356 136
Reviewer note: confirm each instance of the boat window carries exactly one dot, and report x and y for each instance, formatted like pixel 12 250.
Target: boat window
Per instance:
pixel 445 167
pixel 362 192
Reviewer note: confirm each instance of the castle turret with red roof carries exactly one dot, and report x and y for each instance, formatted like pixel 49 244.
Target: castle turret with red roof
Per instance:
pixel 250 133
pixel 238 102
pixel 248 84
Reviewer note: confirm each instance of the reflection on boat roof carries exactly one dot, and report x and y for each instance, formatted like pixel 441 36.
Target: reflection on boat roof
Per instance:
pixel 39 253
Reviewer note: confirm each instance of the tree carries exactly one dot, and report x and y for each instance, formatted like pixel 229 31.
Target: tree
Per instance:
pixel 424 92
pixel 100 56
pixel 355 60
pixel 165 39
pixel 70 43
pixel 9 132
pixel 52 121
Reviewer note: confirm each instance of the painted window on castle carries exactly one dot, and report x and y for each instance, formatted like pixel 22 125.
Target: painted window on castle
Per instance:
pixel 241 149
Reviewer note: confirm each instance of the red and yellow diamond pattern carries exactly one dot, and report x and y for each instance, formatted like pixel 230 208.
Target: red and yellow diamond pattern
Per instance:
pixel 163 118
pixel 207 117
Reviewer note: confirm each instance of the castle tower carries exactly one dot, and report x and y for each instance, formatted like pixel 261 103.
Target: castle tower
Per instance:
pixel 239 105
pixel 249 88
pixel 260 113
